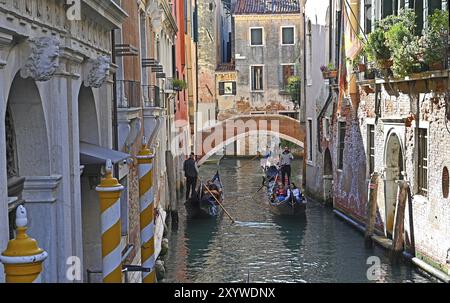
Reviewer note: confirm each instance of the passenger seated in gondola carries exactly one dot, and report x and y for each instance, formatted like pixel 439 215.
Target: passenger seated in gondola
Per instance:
pixel 296 193
pixel 280 192
pixel 213 188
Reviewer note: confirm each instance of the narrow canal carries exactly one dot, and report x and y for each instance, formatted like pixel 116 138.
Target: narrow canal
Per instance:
pixel 264 248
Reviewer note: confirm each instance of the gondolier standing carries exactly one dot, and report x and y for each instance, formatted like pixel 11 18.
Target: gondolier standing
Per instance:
pixel 191 173
pixel 285 161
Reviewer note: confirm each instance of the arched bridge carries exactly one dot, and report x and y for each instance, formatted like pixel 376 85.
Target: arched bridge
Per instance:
pixel 213 139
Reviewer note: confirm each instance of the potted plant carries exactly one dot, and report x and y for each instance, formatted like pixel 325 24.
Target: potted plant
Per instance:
pixel 329 71
pixel 434 40
pixel 376 49
pixel 293 88
pixel 179 85
pixel 404 44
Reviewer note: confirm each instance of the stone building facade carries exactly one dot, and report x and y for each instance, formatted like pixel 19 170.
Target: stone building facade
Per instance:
pixel 79 86
pixel 398 129
pixel 56 91
pixel 266 52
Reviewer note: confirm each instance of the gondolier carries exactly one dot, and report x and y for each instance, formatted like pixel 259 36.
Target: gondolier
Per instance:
pixel 285 162
pixel 191 173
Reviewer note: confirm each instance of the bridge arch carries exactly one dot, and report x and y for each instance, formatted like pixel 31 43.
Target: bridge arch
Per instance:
pixel 213 139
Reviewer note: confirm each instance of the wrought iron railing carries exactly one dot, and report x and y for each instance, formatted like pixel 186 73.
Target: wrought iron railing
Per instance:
pixel 152 96
pixel 128 93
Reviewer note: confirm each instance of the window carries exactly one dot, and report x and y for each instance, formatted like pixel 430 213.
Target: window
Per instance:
pixel 445 182
pixel 368 16
pixel 418 9
pixel 342 130
pixel 371 147
pixel 326 128
pixel 257 78
pixel 386 8
pixel 434 5
pixel 423 162
pixel 287 71
pixel 288 35
pixel 309 54
pixel 227 88
pixel 310 145
pixel 256 36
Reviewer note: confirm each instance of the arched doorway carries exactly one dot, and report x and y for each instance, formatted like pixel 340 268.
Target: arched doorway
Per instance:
pixel 394 168
pixel 87 116
pixel 90 210
pixel 328 178
pixel 28 151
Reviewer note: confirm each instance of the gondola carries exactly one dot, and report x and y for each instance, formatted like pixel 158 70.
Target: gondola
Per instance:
pixel 291 205
pixel 202 205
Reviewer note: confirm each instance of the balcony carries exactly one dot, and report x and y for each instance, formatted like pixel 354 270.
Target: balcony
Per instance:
pixel 152 96
pixel 128 94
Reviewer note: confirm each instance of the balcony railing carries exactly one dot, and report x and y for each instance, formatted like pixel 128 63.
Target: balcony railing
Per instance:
pixel 128 93
pixel 169 85
pixel 152 96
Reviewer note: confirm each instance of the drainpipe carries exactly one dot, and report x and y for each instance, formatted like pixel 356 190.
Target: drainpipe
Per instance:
pixel 114 116
pixel 196 79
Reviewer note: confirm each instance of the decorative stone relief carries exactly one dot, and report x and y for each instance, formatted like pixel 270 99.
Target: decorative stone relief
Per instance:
pixel 99 72
pixel 10 146
pixel 44 59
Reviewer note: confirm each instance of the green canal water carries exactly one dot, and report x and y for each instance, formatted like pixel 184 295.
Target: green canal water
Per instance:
pixel 262 247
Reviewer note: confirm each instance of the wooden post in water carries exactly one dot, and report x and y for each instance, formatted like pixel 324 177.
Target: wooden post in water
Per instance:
pixel 399 221
pixel 371 209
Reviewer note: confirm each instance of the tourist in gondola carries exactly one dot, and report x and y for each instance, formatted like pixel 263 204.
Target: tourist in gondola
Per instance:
pixel 280 192
pixel 296 193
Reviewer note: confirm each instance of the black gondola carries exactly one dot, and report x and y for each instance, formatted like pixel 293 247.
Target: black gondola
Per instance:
pixel 202 204
pixel 294 203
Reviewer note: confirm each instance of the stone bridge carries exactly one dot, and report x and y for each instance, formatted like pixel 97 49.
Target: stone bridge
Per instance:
pixel 213 139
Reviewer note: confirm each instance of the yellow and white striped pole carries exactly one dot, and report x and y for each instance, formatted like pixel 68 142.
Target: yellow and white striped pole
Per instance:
pixel 109 192
pixel 23 258
pixel 146 199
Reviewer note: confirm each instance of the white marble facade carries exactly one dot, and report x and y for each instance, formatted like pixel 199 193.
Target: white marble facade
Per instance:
pixel 55 81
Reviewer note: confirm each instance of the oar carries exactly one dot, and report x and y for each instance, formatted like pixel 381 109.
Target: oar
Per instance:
pixel 249 162
pixel 257 191
pixel 262 186
pixel 232 220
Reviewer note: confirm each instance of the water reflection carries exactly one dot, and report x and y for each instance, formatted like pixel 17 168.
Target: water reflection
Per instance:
pixel 262 247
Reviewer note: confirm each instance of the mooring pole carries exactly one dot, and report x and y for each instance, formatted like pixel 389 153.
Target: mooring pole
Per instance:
pixel 399 223
pixel 371 209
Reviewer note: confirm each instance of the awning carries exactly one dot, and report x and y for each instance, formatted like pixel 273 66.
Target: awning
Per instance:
pixel 94 154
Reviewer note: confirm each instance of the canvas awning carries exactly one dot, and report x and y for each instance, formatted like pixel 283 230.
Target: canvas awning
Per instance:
pixel 94 154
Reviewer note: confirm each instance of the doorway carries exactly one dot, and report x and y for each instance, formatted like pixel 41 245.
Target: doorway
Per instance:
pixel 394 168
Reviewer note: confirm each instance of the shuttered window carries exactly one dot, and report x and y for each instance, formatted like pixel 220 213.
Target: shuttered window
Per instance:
pixel 285 72
pixel 341 147
pixel 423 162
pixel 371 147
pixel 227 88
pixel 257 78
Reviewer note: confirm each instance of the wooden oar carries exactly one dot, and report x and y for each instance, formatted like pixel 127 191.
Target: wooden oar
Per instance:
pixel 254 158
pixel 218 202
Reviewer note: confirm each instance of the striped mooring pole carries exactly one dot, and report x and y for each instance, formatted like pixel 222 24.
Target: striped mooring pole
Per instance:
pixel 23 258
pixel 109 192
pixel 146 199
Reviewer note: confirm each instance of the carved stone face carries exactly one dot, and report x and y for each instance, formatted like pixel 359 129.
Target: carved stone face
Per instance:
pixel 99 72
pixel 44 59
